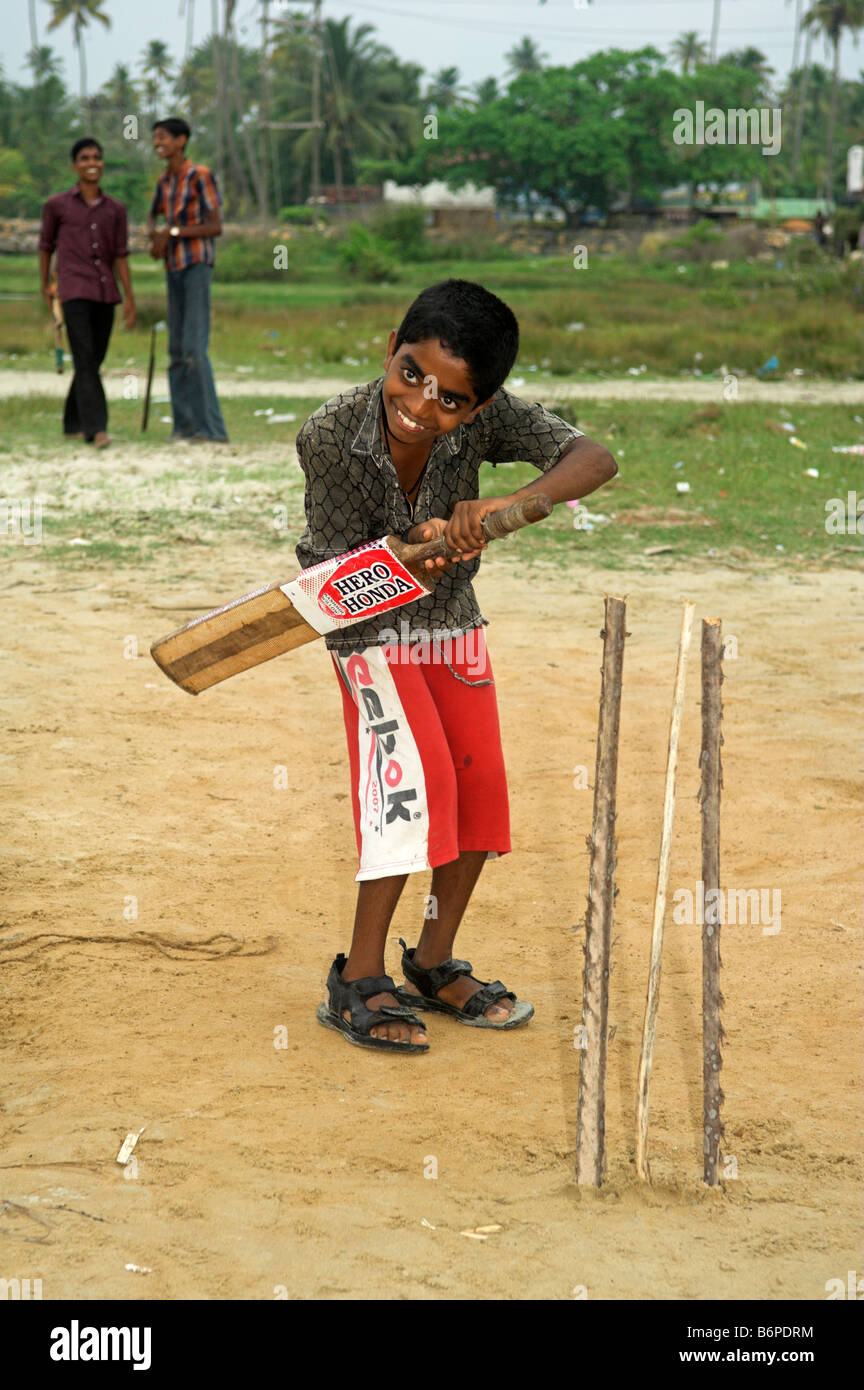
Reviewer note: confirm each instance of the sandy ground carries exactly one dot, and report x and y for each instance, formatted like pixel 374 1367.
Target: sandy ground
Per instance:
pixel 321 1171
pixel 749 389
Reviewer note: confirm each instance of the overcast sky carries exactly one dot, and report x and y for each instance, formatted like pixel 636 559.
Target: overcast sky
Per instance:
pixel 473 35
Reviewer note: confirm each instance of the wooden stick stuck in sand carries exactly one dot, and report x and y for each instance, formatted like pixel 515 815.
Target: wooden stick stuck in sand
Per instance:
pixel 652 1001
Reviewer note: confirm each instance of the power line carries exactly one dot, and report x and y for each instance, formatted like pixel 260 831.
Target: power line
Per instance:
pixel 580 33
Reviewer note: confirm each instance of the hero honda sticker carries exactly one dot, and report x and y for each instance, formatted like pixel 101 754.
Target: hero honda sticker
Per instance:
pixel 353 588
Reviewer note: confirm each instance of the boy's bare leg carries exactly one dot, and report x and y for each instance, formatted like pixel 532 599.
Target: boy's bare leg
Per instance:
pixel 452 886
pixel 376 903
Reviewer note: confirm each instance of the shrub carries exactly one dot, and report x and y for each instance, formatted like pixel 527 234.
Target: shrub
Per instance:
pixel 700 243
pixel 479 248
pixel 846 223
pixel 368 256
pixel 652 244
pixel 247 258
pixel 300 216
pixel 252 257
pixel 804 251
pixel 403 225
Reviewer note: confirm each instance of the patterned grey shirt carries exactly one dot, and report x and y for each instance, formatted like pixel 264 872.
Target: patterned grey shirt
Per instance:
pixel 353 495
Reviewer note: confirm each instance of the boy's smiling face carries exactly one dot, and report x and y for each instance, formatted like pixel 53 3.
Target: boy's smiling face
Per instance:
pixel 427 391
pixel 167 145
pixel 89 165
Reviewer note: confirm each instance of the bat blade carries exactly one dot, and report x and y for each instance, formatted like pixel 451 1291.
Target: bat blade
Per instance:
pixel 231 639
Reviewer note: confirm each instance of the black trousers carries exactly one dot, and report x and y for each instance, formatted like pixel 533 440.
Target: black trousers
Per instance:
pixel 88 324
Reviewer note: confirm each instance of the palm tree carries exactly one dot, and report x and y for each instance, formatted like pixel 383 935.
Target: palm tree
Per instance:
pixel 43 63
pixel 156 64
pixel 362 97
pixel 120 89
pixel 689 50
pixel 750 60
pixel 368 99
pixel 445 90
pixel 525 56
pixel 832 17
pixel 231 51
pixel 80 12
pixel 151 97
pixel 803 84
pixel 797 40
pixel 486 91
pixel 189 6
pixel 34 32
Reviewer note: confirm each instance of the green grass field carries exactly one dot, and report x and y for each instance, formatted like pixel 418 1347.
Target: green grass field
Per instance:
pixel 633 314
pixel 750 501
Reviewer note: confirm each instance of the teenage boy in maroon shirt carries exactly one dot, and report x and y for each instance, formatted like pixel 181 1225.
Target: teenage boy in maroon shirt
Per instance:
pixel 88 231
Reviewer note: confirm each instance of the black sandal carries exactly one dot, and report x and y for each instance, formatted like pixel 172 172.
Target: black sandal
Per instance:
pixel 352 994
pixel 473 1012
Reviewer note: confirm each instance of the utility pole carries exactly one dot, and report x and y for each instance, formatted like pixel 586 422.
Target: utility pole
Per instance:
pixel 265 110
pixel 316 124
pixel 316 104
pixel 715 29
pixel 220 86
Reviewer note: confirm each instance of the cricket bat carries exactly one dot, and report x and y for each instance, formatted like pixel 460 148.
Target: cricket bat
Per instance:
pixel 336 594
pixel 57 316
pixel 146 412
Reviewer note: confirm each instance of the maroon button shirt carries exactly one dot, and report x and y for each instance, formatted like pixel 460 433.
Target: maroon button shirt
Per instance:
pixel 88 238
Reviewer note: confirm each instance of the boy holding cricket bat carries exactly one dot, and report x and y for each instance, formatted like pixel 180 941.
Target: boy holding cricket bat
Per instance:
pixel 402 455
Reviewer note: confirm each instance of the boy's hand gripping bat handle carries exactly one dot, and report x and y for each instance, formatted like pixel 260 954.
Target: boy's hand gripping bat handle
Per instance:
pixel 495 526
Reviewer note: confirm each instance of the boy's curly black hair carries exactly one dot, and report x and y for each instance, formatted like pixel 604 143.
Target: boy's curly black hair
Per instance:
pixel 85 143
pixel 471 323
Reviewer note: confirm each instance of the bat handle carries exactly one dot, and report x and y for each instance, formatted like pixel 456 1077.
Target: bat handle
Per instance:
pixel 496 525
pixel 535 507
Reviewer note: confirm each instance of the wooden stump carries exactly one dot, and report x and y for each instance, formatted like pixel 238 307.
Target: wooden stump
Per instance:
pixel 652 998
pixel 709 797
pixel 591 1118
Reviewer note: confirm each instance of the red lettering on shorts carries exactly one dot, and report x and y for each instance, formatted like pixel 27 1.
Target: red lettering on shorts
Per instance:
pixel 357 670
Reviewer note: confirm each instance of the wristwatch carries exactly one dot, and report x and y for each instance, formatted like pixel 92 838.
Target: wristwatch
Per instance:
pixel 173 231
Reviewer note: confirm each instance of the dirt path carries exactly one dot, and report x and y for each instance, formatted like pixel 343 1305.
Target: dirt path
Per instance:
pixel 750 389
pixel 309 1167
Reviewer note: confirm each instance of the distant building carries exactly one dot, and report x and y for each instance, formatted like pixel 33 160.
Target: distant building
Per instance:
pixel 714 199
pixel 743 200
pixel 451 212
pixel 437 195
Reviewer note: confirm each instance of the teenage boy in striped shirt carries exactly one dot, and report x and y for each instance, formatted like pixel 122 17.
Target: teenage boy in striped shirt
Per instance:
pixel 188 199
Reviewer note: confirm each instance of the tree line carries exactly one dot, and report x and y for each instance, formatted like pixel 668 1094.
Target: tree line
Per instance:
pixel 592 134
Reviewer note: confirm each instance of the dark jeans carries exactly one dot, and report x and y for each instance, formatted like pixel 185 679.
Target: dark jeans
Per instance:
pixel 190 376
pixel 88 325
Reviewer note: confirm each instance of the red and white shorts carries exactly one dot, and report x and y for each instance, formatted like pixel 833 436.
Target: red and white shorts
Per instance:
pixel 424 742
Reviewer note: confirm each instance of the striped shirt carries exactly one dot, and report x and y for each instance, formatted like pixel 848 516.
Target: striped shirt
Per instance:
pixel 187 199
